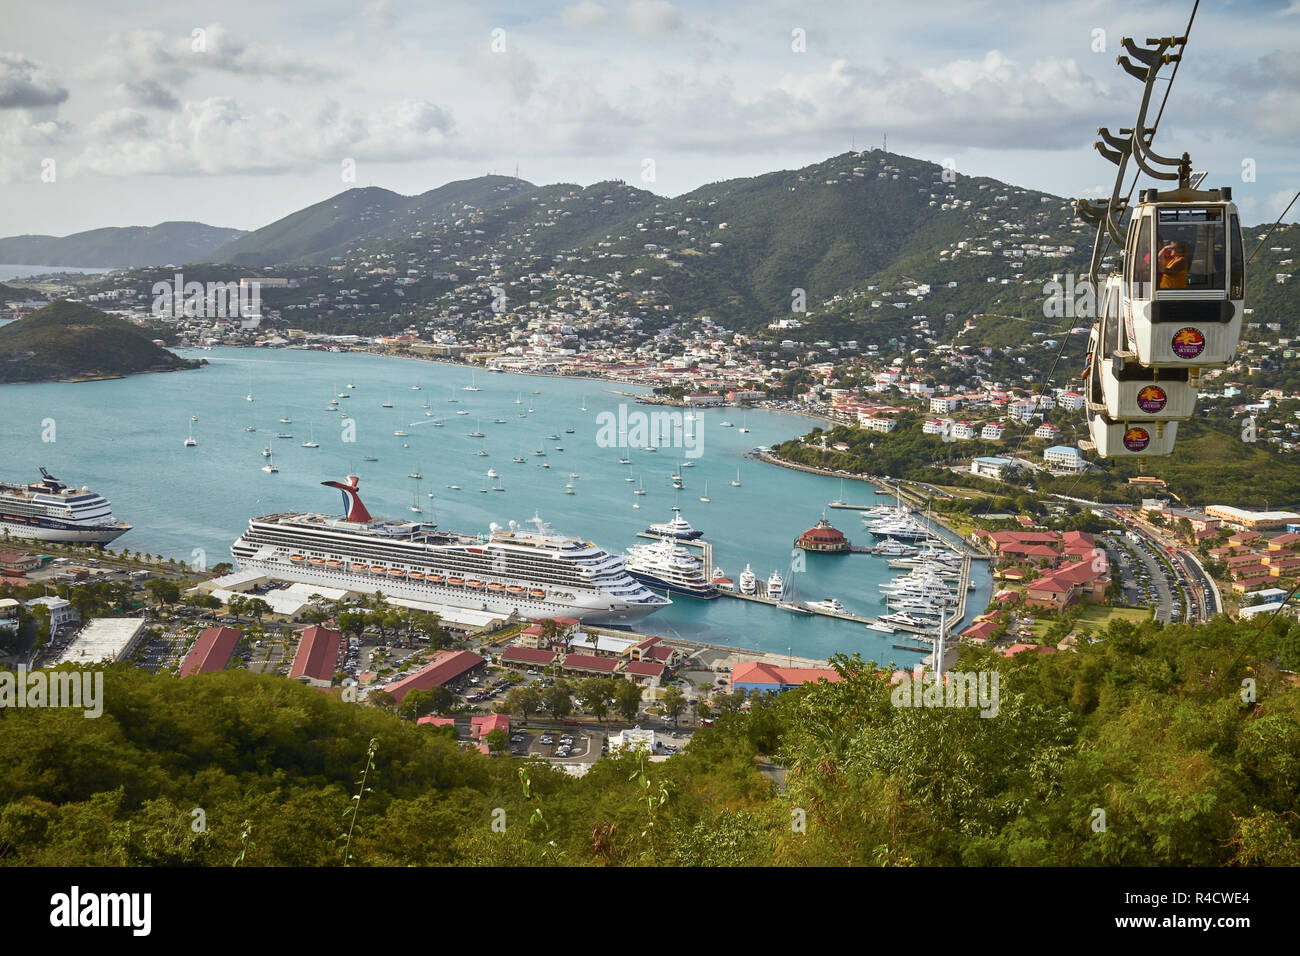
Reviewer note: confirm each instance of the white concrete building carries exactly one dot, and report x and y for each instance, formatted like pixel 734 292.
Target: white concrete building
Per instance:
pixel 873 424
pixel 1065 458
pixel 995 468
pixel 61 612
pixel 103 639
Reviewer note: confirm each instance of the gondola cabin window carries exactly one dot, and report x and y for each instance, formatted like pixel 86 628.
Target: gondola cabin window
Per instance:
pixel 1191 249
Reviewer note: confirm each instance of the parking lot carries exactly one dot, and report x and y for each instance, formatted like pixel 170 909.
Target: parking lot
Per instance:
pixel 569 744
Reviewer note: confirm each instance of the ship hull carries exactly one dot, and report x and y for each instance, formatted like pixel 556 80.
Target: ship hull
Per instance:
pixel 591 610
pixel 67 535
pixel 651 580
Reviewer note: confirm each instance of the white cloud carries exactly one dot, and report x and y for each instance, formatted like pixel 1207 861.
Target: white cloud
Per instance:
pixel 24 84
pixel 584 14
pixel 379 12
pixel 25 142
pixel 653 17
pixel 218 136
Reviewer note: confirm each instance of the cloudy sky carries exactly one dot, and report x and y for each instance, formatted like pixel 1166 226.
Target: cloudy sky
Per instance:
pixel 236 113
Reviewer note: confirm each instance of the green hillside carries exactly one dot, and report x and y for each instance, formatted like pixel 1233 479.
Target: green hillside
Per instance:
pixel 126 247
pixel 1146 724
pixel 66 341
pixel 364 217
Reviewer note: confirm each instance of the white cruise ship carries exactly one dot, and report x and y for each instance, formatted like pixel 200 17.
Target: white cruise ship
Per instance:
pixel 536 573
pixel 48 510
pixel 663 564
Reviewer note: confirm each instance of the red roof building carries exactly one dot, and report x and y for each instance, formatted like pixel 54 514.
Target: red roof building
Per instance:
pixel 480 727
pixel 823 538
pixel 980 633
pixel 1072 582
pixel 437 721
pixel 645 672
pixel 590 664
pixel 532 656
pixel 317 659
pixel 1015 649
pixel 445 667
pixel 771 678
pixel 212 651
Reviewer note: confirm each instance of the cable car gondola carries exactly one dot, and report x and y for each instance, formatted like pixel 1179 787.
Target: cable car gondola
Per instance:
pixel 1176 307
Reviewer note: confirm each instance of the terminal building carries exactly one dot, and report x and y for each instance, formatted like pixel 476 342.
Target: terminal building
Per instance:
pixel 104 640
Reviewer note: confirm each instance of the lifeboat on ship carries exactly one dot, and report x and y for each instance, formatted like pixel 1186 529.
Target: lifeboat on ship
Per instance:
pixel 514 589
pixel 396 573
pixel 435 578
pixel 456 581
pixel 495 586
pixel 473 583
pixel 537 593
pixel 297 557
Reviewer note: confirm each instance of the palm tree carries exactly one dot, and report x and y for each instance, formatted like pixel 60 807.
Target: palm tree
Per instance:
pixel 553 630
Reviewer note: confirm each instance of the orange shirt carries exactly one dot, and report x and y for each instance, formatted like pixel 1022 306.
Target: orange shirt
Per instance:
pixel 1173 270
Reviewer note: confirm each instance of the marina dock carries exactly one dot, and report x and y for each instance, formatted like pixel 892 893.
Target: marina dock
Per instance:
pixel 760 592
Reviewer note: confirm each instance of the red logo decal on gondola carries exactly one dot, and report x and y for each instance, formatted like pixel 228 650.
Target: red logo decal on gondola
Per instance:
pixel 1188 343
pixel 1136 439
pixel 1152 399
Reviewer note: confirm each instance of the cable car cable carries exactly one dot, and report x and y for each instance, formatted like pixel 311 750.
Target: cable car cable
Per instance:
pixel 1275 225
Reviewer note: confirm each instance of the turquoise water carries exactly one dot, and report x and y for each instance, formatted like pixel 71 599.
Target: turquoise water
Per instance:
pixel 124 439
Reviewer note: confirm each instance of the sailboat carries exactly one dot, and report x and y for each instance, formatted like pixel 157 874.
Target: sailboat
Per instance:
pixel 471 387
pixel 640 487
pixel 190 442
pixel 519 398
pixel 705 497
pixel 387 404
pixel 311 442
pixel 841 498
pixel 478 429
pixel 266 452
pixel 568 489
pixel 736 483
pixel 415 499
pixel 269 467
pixel 743 426
pixel 249 396
pixel 584 404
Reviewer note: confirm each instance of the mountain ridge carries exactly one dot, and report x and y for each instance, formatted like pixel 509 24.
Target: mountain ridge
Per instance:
pixel 119 247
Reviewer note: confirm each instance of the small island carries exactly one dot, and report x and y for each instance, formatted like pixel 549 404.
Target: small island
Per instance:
pixel 71 342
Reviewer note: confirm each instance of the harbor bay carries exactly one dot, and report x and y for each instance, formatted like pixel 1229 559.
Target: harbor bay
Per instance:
pixel 126 440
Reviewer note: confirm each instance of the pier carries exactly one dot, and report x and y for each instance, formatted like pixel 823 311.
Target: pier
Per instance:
pixel 760 592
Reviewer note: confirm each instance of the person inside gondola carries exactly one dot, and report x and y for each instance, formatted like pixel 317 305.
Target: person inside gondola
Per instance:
pixel 1172 263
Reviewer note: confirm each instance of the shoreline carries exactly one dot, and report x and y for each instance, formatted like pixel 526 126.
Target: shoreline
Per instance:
pixel 597 379
pixel 879 486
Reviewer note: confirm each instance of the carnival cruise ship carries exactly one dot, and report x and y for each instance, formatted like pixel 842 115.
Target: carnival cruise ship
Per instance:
pixel 48 510
pixel 663 564
pixel 536 573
